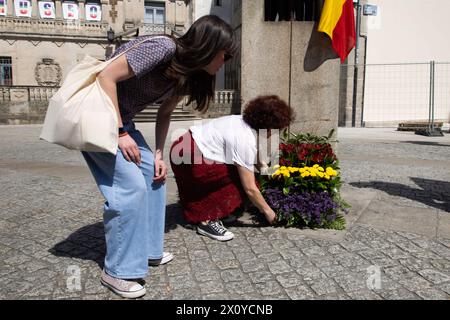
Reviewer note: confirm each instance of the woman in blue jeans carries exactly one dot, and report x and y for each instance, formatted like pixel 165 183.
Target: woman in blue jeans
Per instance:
pixel 151 69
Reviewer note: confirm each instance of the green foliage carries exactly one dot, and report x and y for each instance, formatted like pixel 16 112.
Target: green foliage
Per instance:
pixel 306 151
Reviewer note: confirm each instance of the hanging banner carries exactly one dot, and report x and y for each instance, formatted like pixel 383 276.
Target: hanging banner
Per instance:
pixel 3 8
pixel 70 10
pixel 47 9
pixel 93 12
pixel 22 8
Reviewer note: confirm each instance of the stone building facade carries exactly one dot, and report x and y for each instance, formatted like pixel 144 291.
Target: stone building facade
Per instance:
pixel 40 41
pixel 36 50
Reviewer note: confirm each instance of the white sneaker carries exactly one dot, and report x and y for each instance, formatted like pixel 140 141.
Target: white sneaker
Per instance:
pixel 166 258
pixel 122 287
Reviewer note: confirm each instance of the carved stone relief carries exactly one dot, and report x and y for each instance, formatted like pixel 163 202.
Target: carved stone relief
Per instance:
pixel 48 73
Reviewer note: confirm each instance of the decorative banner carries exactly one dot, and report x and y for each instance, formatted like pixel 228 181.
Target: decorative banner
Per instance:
pixel 47 9
pixel 93 12
pixel 23 8
pixel 70 10
pixel 3 8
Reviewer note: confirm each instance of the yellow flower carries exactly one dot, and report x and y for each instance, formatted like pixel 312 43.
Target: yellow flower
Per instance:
pixel 331 172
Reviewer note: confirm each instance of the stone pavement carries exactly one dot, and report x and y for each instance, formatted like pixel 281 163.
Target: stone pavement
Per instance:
pixel 396 246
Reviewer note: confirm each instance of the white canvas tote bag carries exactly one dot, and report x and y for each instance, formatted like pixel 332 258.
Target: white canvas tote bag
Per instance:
pixel 80 115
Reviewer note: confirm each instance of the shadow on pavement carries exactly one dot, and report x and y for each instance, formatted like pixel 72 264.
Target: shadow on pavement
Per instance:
pixel 240 218
pixel 433 193
pixel 88 242
pixel 427 143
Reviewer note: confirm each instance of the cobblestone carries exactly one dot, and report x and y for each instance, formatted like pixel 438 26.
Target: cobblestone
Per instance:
pixel 288 280
pixel 279 267
pixel 324 286
pixel 50 225
pixel 261 276
pixel 269 288
pixel 434 276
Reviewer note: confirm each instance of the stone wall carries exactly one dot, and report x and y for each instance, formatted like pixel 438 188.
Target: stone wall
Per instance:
pixel 293 61
pixel 24 105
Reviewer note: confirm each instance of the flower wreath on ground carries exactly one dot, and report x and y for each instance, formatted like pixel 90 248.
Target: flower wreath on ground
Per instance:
pixel 304 189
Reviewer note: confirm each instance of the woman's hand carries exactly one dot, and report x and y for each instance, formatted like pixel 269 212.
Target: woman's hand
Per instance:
pixel 251 189
pixel 160 168
pixel 129 149
pixel 271 217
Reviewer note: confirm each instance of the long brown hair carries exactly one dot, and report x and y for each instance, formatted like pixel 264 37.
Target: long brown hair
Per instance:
pixel 195 50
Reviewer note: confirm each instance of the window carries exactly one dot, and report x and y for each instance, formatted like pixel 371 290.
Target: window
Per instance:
pixel 5 71
pixel 155 12
pixel 291 10
pixel 218 3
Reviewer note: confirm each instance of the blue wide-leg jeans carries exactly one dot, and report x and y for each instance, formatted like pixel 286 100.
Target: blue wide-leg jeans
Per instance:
pixel 134 211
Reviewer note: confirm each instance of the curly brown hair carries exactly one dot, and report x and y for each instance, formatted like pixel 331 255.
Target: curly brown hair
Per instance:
pixel 268 112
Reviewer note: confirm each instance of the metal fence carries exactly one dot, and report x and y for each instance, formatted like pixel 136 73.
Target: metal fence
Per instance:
pixel 389 94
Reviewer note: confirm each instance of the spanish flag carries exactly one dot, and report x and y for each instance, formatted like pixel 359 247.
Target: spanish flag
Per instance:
pixel 338 22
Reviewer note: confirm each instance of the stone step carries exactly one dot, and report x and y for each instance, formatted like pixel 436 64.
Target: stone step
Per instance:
pixel 149 114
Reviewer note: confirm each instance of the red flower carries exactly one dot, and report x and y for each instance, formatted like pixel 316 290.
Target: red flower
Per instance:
pixel 285 162
pixel 302 154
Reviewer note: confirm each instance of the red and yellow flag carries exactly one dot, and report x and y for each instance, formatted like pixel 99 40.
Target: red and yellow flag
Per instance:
pixel 338 22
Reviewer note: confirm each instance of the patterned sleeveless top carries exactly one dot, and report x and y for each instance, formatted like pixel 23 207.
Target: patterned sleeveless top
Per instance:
pixel 148 86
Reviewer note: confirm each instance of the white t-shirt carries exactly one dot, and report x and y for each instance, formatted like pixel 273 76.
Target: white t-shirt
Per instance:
pixel 227 140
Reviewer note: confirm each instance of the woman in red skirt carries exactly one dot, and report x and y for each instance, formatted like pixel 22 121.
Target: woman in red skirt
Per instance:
pixel 214 163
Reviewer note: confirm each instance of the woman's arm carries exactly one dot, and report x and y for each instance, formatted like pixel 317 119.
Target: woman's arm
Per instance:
pixel 116 71
pixel 249 184
pixel 161 129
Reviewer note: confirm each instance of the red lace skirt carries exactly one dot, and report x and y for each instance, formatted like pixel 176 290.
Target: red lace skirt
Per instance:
pixel 207 191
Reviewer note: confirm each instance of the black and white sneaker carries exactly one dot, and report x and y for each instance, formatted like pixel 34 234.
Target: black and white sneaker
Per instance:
pixel 215 230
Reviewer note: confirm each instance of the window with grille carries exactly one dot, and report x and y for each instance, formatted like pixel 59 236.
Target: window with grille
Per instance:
pixel 5 71
pixel 292 10
pixel 218 3
pixel 155 12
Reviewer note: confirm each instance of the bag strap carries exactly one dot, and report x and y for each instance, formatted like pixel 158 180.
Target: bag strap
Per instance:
pixel 133 47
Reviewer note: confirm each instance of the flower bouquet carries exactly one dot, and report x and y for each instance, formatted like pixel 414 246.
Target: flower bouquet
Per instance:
pixel 304 189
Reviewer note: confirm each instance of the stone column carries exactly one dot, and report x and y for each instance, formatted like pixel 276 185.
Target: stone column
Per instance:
pixel 269 72
pixel 58 10
pixel 314 80
pixel 10 5
pixel 82 10
pixel 35 9
pixel 297 65
pixel 105 11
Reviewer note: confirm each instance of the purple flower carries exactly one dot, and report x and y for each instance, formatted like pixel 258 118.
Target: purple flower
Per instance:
pixel 313 209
